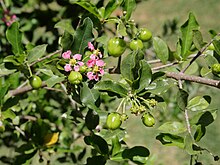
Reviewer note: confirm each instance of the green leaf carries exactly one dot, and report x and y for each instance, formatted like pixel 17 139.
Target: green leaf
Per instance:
pixel 129 6
pixel 121 29
pixel 200 132
pixel 198 39
pixel 210 60
pixel 10 102
pixel 161 49
pixel 171 140
pixel 67 41
pixel 189 146
pixel 65 25
pixel 182 97
pixel 47 72
pixel 187 34
pixel 8 114
pixel 3 91
pixel 82 36
pixel 145 75
pixel 111 6
pixel 14 36
pixel 89 96
pixel 91 119
pixel 112 87
pixel 90 8
pixel 36 53
pixel 199 103
pixel 172 128
pixel 216 44
pixel 4 71
pixel 99 144
pixel 54 80
pixel 100 160
pixel 137 154
pixel 116 145
pixel 127 66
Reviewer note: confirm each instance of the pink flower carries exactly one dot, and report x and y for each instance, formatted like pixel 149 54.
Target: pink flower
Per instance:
pixel 90 75
pixel 90 63
pixel 66 55
pixel 100 63
pixel 91 46
pixel 67 67
pixel 96 77
pixel 93 57
pixel 77 56
pixel 76 68
pixel 80 63
pixel 101 71
pixel 100 55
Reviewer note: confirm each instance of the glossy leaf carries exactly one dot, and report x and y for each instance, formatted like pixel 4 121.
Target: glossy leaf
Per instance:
pixel 65 25
pixel 99 144
pixel 14 37
pixel 89 96
pixel 82 36
pixel 199 103
pixel 145 75
pixel 187 34
pixel 91 119
pixel 54 80
pixel 129 6
pixel 182 97
pixel 116 145
pixel 171 140
pixel 161 49
pixel 36 53
pixel 111 6
pixel 89 7
pixel 172 128
pixel 112 87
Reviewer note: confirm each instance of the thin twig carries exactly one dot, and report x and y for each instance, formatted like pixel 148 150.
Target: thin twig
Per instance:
pixel 46 57
pixel 165 66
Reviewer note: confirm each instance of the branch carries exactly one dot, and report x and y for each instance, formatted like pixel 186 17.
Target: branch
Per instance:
pixel 46 57
pixel 196 79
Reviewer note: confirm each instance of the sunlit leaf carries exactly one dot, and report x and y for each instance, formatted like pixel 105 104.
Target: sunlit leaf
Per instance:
pixel 182 97
pixel 129 6
pixel 161 49
pixel 199 103
pixel 51 138
pixel 36 53
pixel 172 128
pixel 111 6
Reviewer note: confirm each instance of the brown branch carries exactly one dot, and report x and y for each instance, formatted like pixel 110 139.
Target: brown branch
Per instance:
pixel 196 79
pixel 46 57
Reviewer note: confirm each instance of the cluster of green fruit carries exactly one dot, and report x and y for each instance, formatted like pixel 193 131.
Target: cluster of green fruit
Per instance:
pixel 117 46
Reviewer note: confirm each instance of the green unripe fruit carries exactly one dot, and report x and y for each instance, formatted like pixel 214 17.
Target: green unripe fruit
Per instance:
pixel 136 44
pixel 144 34
pixel 116 46
pixel 35 82
pixel 148 120
pixel 113 121
pixel 216 69
pixel 75 78
pixel 82 69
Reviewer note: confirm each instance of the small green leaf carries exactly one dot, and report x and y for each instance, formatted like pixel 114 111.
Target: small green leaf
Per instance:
pixel 210 60
pixel 90 8
pixel 200 132
pixel 116 145
pixel 121 29
pixel 161 49
pixel 216 44
pixel 111 6
pixel 99 144
pixel 67 41
pixel 47 72
pixel 112 87
pixel 3 91
pixel 99 160
pixel 8 114
pixel 172 128
pixel 187 34
pixel 54 80
pixel 4 71
pixel 89 96
pixel 182 97
pixel 14 36
pixel 91 119
pixel 129 6
pixel 65 25
pixel 82 36
pixel 171 140
pixel 199 103
pixel 36 53
pixel 198 39
pixel 189 145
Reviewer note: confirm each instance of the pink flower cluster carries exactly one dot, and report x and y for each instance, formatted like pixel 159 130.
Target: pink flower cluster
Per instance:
pixel 94 66
pixel 9 19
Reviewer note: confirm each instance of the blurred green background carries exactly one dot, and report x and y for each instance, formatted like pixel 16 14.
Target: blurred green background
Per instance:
pixel 154 14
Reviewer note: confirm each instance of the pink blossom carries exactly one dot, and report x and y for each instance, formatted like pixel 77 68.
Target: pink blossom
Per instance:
pixel 90 63
pixel 67 67
pixel 100 63
pixel 76 68
pixel 93 57
pixel 66 55
pixel 100 55
pixel 91 46
pixel 96 77
pixel 77 56
pixel 80 63
pixel 90 75
pixel 101 71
